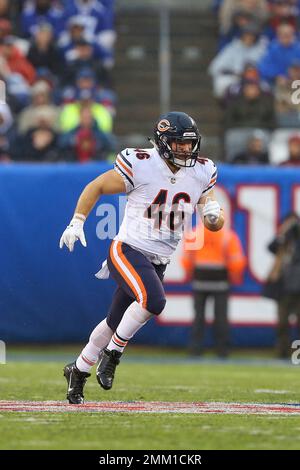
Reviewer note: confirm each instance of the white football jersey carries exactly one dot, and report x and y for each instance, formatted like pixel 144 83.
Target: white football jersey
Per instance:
pixel 156 199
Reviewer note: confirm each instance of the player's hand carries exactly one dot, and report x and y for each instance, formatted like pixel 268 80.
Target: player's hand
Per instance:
pixel 73 232
pixel 211 210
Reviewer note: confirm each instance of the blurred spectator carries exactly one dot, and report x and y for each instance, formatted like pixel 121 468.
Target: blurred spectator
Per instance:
pixel 251 108
pixel 294 151
pixel 43 51
pixel 280 54
pixel 236 140
pixel 17 72
pixel 241 19
pixel 38 145
pixel 227 67
pixel 12 61
pixel 212 268
pixel 98 19
pixel 74 32
pixel 42 11
pixel 5 29
pixel 70 115
pixel 7 133
pixel 287 112
pixel 41 111
pixel 281 11
pixel 256 152
pixel 17 92
pixel 283 283
pixel 86 142
pixel 278 145
pixel 86 80
pixel 85 54
pixel 76 35
pixel 258 8
pixel 6 9
pixel 250 73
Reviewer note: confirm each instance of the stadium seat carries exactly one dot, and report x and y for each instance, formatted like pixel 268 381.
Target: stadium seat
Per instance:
pixel 278 148
pixel 235 140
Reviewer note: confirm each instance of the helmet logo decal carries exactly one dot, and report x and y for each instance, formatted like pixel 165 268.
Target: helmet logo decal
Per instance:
pixel 189 134
pixel 163 125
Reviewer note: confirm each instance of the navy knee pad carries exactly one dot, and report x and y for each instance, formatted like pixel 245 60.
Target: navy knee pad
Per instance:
pixel 156 305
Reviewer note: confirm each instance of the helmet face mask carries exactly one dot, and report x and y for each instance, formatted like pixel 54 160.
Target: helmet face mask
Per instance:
pixel 172 133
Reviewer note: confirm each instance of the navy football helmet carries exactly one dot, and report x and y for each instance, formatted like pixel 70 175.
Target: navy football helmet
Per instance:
pixel 177 127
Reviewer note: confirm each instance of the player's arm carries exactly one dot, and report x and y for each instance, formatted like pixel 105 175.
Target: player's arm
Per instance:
pixel 107 183
pixel 213 215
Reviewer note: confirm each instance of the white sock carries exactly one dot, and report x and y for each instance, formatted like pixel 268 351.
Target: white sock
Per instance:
pixel 98 340
pixel 134 318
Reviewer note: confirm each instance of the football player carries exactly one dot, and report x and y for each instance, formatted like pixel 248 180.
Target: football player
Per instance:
pixel 172 174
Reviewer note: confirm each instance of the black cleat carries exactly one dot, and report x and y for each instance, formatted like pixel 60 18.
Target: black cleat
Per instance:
pixel 76 381
pixel 106 368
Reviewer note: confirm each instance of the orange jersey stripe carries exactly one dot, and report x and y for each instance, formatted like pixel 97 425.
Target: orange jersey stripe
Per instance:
pixel 127 171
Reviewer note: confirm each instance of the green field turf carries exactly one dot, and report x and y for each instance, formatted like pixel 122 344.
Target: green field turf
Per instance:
pixel 37 375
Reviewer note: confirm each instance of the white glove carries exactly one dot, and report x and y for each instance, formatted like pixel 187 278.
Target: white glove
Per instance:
pixel 73 232
pixel 211 210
